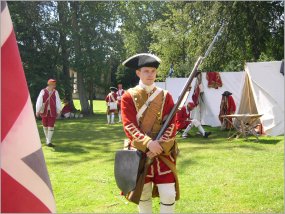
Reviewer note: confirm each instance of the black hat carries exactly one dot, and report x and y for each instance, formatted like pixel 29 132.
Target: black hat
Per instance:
pixel 142 60
pixel 113 89
pixel 226 93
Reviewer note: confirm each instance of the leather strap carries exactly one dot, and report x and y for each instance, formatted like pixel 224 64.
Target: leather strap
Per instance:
pixel 112 97
pixel 147 103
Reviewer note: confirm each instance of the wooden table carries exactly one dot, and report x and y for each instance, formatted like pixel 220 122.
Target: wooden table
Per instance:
pixel 244 124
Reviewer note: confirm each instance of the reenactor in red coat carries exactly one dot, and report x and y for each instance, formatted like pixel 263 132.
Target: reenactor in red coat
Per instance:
pixel 144 109
pixel 48 106
pixel 184 121
pixel 120 93
pixel 112 105
pixel 227 107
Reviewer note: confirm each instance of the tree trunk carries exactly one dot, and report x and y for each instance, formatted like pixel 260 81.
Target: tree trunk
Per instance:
pixel 80 82
pixel 91 95
pixel 62 8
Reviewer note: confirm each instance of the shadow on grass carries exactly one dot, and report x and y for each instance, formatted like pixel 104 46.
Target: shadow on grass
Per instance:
pixel 185 162
pixel 92 135
pixel 70 149
pixel 268 141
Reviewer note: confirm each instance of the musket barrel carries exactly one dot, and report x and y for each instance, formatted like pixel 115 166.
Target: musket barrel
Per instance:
pixel 180 98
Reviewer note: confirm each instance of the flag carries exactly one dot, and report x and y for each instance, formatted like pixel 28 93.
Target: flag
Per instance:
pixel 25 184
pixel 171 71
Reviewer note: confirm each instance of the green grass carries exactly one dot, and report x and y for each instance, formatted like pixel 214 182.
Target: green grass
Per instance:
pixel 99 106
pixel 216 175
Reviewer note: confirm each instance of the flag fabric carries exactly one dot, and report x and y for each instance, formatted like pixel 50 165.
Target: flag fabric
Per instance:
pixel 25 184
pixel 171 71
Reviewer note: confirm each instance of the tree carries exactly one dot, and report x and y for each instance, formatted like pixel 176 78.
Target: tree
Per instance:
pixel 252 30
pixel 64 31
pixel 94 38
pixel 38 42
pixel 85 109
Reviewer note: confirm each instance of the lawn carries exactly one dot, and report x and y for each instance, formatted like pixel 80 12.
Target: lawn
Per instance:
pixel 216 175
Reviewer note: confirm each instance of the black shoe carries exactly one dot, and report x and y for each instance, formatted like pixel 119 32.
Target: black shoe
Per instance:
pixel 207 134
pixel 50 145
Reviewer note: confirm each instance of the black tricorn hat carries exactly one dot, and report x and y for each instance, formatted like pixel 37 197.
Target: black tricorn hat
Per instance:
pixel 142 60
pixel 226 93
pixel 113 89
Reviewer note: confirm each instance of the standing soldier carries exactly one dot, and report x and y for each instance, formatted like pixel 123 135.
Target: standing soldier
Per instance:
pixel 144 109
pixel 120 93
pixel 112 108
pixel 227 107
pixel 48 106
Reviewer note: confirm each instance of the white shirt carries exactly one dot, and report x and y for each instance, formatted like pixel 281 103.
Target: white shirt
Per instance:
pixel 39 102
pixel 148 88
pixel 119 93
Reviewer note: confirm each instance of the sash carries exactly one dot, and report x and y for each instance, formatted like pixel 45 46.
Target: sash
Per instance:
pixel 112 97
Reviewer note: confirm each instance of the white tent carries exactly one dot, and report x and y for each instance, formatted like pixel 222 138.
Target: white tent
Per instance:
pixel 161 85
pixel 209 109
pixel 263 93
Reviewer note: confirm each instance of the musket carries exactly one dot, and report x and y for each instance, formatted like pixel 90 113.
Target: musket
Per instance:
pixel 188 83
pixel 134 196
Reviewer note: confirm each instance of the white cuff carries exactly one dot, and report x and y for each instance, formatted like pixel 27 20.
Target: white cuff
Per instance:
pixel 148 143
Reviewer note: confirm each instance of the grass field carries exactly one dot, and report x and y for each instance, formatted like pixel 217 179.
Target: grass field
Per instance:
pixel 216 175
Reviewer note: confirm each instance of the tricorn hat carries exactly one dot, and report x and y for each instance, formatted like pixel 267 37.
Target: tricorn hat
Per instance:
pixel 142 60
pixel 226 93
pixel 113 89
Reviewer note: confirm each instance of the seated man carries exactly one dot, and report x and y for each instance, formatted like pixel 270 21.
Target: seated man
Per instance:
pixel 69 111
pixel 184 121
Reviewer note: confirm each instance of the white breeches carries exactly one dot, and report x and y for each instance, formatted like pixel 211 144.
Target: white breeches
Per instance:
pixel 48 133
pixel 167 196
pixel 69 115
pixel 145 205
pixel 195 122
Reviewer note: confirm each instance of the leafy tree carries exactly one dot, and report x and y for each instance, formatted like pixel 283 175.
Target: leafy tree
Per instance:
pixel 94 38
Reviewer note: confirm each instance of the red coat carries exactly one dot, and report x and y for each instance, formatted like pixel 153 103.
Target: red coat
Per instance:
pixel 182 118
pixel 129 113
pixel 214 80
pixel 196 94
pixel 66 109
pixel 227 107
pixel 109 97
pixel 51 102
pixel 158 172
pixel 231 105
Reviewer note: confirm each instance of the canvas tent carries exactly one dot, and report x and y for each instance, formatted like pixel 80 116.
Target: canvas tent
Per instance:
pixel 209 107
pixel 161 85
pixel 263 93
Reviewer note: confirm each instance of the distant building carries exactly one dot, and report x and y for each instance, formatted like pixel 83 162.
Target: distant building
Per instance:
pixel 100 92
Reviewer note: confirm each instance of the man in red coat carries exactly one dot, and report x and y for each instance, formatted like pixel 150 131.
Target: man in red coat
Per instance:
pixel 67 110
pixel 120 93
pixel 112 106
pixel 144 109
pixel 184 121
pixel 227 107
pixel 48 106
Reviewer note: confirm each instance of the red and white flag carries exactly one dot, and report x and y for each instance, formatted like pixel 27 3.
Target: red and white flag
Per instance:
pixel 25 184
